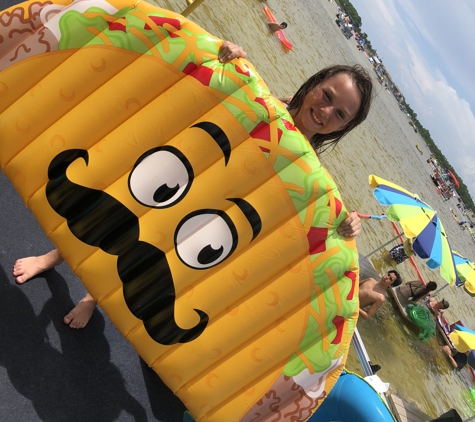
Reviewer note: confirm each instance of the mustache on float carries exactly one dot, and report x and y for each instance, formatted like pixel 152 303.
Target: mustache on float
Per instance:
pixel 98 219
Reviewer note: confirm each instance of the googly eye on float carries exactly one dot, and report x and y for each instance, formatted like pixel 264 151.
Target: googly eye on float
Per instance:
pixel 161 177
pixel 205 238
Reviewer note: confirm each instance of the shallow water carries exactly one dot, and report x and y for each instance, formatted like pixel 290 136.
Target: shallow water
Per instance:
pixel 384 145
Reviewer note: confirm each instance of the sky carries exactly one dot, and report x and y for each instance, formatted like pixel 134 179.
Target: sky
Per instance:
pixel 428 48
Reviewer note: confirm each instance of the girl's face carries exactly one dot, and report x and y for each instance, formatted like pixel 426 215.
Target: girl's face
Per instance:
pixel 328 107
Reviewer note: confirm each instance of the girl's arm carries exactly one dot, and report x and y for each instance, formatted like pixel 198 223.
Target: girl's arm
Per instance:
pixel 229 51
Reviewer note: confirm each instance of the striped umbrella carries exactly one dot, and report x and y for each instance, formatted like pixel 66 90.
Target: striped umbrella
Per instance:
pixel 466 271
pixel 420 222
pixel 462 338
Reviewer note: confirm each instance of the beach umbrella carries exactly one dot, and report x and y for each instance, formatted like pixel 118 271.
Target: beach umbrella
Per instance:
pixel 471 359
pixel 420 222
pixel 466 271
pixel 463 339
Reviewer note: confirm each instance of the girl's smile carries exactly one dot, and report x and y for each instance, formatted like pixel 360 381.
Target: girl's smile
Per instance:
pixel 328 107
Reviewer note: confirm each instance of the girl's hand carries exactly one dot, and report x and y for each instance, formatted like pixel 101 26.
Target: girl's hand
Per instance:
pixel 229 51
pixel 351 226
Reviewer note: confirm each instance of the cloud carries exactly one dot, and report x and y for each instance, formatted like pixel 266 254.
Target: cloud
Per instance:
pixel 467 164
pixel 430 55
pixel 385 12
pixel 448 35
pixel 446 115
pixel 419 71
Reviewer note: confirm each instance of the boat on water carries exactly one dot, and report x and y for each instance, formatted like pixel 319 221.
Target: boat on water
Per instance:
pixel 280 34
pixel 401 301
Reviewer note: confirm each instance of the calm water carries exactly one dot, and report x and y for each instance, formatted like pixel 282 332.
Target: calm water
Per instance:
pixel 384 145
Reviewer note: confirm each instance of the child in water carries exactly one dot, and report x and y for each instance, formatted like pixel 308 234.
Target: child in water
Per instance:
pixel 274 27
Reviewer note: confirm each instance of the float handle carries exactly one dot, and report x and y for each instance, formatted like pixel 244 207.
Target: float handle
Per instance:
pixel 376 217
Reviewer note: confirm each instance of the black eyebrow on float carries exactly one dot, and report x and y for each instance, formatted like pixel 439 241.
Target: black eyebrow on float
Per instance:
pixel 219 136
pixel 251 214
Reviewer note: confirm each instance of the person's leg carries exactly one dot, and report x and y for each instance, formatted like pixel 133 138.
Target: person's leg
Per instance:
pixel 82 312
pixel 448 352
pixel 26 268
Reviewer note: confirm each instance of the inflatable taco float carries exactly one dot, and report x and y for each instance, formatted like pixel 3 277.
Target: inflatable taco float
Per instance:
pixel 181 194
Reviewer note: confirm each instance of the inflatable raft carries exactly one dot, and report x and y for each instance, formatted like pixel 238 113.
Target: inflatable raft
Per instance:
pixel 353 399
pixel 280 34
pixel 182 195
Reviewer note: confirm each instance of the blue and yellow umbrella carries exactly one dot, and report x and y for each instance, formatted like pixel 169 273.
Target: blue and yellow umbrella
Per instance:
pixel 463 338
pixel 420 222
pixel 466 271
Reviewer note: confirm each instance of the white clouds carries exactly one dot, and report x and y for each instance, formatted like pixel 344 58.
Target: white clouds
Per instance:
pixel 419 20
pixel 441 110
pixel 449 32
pixel 446 115
pixel 421 75
pixel 456 112
pixel 467 166
pixel 385 14
pixel 427 46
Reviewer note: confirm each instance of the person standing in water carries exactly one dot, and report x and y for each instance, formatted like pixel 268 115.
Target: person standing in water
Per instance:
pixel 372 293
pixel 417 290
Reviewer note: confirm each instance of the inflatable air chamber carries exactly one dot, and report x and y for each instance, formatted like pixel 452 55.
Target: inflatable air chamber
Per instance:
pixel 181 194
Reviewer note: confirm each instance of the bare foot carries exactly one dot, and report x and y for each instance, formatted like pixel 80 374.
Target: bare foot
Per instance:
pixel 82 312
pixel 26 268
